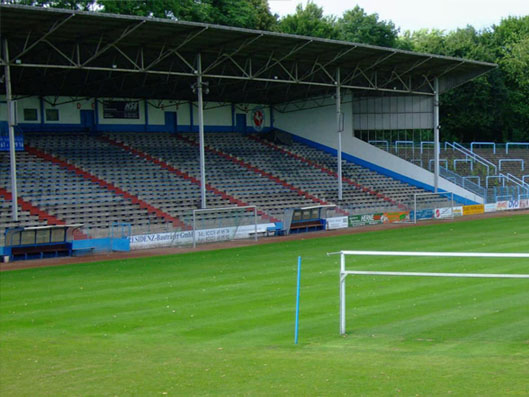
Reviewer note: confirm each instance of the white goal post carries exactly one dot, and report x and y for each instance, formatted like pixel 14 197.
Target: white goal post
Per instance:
pixel 344 273
pixel 430 202
pixel 224 224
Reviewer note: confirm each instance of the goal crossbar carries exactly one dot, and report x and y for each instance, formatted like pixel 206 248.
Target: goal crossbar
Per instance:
pixel 344 273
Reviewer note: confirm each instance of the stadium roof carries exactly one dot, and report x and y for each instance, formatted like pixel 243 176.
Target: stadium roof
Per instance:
pixel 56 52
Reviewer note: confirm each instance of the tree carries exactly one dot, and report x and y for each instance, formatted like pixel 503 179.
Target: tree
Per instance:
pixel 309 21
pixel 357 26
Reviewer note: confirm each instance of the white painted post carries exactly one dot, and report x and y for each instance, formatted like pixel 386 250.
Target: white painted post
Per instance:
pixel 436 133
pixel 11 117
pixel 339 129
pixel 201 133
pixel 343 275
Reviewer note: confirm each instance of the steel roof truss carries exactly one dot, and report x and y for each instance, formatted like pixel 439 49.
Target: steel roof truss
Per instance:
pixel 284 57
pixel 126 32
pixel 52 30
pixel 165 53
pixel 224 56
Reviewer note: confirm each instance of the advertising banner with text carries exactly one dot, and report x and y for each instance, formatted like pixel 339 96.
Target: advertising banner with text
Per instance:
pixel 502 205
pixel 395 217
pixel 473 209
pixel 366 219
pixel 339 222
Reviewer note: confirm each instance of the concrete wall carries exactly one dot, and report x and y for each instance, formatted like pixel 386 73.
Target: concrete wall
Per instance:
pixel 217 116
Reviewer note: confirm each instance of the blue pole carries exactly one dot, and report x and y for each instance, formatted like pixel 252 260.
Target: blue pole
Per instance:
pixel 297 302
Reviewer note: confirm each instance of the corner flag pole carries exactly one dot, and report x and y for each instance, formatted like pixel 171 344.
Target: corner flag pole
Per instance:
pixel 296 331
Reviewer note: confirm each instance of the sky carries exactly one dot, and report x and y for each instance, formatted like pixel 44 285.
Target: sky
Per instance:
pixel 417 14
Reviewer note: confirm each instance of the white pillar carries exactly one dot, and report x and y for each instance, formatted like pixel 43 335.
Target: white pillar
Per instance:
pixel 11 125
pixel 342 293
pixel 201 134
pixel 436 127
pixel 339 129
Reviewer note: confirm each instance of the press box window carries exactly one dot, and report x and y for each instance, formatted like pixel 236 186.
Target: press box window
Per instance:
pixel 52 114
pixel 30 115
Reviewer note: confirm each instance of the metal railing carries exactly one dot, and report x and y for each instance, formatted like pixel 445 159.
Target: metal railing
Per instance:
pixel 493 144
pixel 515 144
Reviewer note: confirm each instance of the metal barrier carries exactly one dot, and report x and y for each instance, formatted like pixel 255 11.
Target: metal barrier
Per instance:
pixel 406 143
pixel 512 161
pixel 493 144
pixel 515 144
pixel 426 143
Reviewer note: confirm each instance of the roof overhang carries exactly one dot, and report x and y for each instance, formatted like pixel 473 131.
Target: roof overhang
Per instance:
pixel 56 52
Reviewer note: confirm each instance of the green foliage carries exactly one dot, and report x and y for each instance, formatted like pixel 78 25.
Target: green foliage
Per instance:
pixel 309 21
pixel 221 322
pixel 357 26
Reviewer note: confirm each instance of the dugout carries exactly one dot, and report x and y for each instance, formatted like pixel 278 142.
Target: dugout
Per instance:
pixel 39 242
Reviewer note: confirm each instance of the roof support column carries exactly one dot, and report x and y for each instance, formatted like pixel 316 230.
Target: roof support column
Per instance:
pixel 339 129
pixel 201 133
pixel 436 128
pixel 11 125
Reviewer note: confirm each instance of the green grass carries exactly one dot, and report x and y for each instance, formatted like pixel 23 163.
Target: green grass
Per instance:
pixel 222 322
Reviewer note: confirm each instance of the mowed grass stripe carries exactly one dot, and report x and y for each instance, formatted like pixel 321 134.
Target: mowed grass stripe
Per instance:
pixel 221 322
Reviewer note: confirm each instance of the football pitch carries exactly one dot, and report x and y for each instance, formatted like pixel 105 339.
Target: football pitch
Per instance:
pixel 222 322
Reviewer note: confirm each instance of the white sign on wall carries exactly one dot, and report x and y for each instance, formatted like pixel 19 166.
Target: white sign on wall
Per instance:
pixel 339 222
pixel 173 239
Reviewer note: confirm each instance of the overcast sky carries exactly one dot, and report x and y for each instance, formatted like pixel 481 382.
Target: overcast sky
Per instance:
pixel 417 14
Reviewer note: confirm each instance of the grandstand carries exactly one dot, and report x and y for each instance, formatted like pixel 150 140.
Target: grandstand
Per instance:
pixel 141 131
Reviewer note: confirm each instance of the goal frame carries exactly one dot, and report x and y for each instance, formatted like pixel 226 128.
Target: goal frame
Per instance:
pixel 450 196
pixel 344 272
pixel 252 208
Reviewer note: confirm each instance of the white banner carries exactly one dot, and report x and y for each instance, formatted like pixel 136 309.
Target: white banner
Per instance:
pixel 491 207
pixel 458 211
pixel 442 213
pixel 339 222
pixel 514 204
pixel 203 236
pixel 502 205
pixel 524 203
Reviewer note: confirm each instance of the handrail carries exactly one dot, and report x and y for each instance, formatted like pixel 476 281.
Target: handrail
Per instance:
pixel 483 143
pixel 514 144
pixel 426 142
pixel 520 181
pixel 501 161
pixel 512 178
pixel 440 161
pixel 471 161
pixel 466 178
pixel 500 177
pixel 475 156
pixel 466 184
pixel 406 142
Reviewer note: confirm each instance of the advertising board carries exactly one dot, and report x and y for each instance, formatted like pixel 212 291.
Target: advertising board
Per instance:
pixel 473 209
pixel 339 222
pixel 365 219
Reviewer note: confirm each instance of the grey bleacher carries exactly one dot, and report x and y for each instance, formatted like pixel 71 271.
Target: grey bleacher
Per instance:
pixel 72 198
pixel 313 179
pixel 158 187
pixel 231 178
